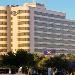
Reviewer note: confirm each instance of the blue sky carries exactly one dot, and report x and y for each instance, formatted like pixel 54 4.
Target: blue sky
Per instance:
pixel 66 6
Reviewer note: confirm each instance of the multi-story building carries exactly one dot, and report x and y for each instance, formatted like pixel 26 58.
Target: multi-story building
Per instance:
pixel 34 28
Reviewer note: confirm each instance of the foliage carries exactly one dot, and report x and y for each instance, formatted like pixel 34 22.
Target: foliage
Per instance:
pixel 9 59
pixel 28 60
pixel 20 58
pixel 56 62
pixel 39 61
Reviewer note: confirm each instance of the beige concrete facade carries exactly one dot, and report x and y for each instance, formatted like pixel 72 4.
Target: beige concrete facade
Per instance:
pixel 14 28
pixel 34 28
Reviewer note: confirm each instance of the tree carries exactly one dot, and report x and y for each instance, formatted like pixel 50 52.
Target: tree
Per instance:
pixel 9 59
pixel 20 58
pixel 24 58
pixel 30 60
pixel 57 62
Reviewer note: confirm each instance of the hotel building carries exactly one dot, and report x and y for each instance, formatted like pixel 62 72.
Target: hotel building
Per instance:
pixel 34 28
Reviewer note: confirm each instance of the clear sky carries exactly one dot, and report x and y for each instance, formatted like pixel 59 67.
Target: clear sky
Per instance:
pixel 66 6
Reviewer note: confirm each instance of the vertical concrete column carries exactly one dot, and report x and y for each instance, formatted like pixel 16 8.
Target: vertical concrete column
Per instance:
pixel 8 28
pixel 31 30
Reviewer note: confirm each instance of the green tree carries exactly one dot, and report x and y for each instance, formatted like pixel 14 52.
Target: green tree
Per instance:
pixel 20 58
pixel 24 58
pixel 9 59
pixel 56 62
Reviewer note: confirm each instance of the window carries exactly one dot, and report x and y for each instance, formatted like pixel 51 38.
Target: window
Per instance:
pixel 11 23
pixel 11 40
pixel 23 11
pixel 3 11
pixel 3 39
pixel 3 17
pixel 3 28
pixel 11 45
pixel 11 18
pixel 24 45
pixel 23 39
pixel 3 45
pixel 3 23
pixel 23 17
pixel 23 28
pixel 3 34
pixel 49 15
pixel 23 22
pixel 23 34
